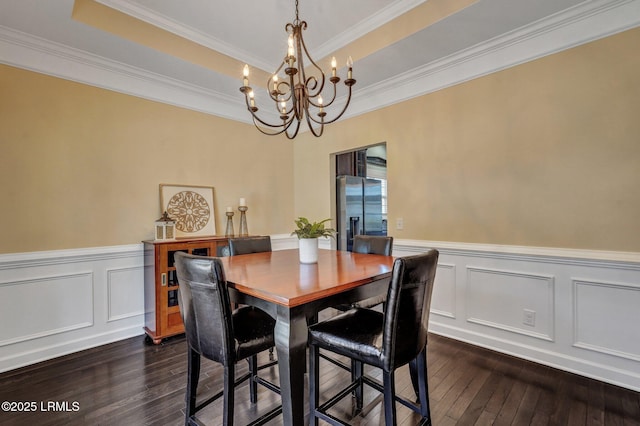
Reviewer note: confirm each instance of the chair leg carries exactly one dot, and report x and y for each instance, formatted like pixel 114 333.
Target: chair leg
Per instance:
pixel 229 391
pixel 423 385
pixel 314 383
pixel 356 374
pixel 389 398
pixel 193 376
pixel 413 373
pixel 253 383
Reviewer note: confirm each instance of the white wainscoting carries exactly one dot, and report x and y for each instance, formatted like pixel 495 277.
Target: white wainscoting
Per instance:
pixel 58 302
pixel 585 303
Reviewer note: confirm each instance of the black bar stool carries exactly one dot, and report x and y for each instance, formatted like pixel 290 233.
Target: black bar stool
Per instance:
pixel 216 333
pixel 386 340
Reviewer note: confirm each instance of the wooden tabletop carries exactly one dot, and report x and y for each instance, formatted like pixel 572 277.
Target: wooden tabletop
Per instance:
pixel 279 277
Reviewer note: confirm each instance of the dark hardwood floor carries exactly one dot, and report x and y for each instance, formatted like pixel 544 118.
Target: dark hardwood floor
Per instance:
pixel 132 383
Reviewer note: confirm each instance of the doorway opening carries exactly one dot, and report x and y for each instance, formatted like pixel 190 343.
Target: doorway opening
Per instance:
pixel 360 193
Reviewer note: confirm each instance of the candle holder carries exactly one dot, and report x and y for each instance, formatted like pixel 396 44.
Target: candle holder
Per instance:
pixel 244 230
pixel 229 231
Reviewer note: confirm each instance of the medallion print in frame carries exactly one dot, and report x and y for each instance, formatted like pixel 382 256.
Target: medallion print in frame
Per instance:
pixel 191 207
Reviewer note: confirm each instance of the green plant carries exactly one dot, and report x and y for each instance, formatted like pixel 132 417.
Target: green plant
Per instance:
pixel 307 229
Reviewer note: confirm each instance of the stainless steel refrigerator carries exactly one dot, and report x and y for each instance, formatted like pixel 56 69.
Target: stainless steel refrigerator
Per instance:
pixel 359 204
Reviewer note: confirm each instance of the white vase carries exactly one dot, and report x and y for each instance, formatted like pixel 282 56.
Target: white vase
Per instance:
pixel 308 248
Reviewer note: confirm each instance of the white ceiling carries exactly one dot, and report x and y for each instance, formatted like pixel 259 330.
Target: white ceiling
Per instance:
pixel 486 36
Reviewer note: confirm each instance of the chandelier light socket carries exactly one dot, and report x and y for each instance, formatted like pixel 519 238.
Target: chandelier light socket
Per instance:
pixel 291 71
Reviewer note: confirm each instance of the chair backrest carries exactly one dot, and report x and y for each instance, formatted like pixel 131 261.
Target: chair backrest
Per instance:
pixel 372 244
pixel 247 245
pixel 406 316
pixel 205 307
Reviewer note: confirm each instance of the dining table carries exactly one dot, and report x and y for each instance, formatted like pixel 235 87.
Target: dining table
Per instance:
pixel 294 293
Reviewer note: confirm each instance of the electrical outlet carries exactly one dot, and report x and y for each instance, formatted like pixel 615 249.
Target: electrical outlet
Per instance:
pixel 529 318
pixel 399 223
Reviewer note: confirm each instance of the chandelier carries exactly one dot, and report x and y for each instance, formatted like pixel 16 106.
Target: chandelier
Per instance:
pixel 297 95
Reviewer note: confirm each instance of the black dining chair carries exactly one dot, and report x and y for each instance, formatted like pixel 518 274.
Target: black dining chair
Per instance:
pixel 365 244
pixel 248 245
pixel 370 244
pixel 215 332
pixel 386 340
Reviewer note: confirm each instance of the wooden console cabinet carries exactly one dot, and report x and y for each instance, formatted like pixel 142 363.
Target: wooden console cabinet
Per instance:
pixel 161 311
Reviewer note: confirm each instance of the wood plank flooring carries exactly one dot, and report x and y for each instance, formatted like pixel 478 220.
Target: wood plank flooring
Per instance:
pixel 132 383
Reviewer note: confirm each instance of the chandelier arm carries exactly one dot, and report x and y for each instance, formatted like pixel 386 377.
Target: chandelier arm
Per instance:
pixel 283 128
pixel 295 133
pixel 267 133
pixel 344 109
pixel 300 87
pixel 313 130
pixel 282 94
pixel 278 95
pixel 318 92
pixel 302 47
pixel 333 98
pixel 264 123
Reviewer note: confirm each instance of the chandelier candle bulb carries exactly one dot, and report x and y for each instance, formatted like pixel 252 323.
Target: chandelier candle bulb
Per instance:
pixel 252 100
pixel 350 65
pixel 333 66
pixel 290 50
pixel 245 75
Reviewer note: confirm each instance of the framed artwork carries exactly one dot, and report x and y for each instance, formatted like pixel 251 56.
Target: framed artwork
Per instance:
pixel 191 207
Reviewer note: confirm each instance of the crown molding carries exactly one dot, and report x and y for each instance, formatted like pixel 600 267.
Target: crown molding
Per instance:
pixel 189 33
pixel 33 53
pixel 384 15
pixel 581 24
pixel 586 22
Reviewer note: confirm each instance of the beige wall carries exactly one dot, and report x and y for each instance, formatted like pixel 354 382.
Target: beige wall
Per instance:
pixel 543 154
pixel 81 166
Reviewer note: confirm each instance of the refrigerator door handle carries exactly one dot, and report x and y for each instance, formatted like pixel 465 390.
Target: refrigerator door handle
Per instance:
pixel 355 225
